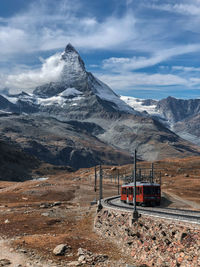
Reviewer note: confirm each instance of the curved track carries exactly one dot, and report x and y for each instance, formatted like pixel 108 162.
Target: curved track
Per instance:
pixel 167 213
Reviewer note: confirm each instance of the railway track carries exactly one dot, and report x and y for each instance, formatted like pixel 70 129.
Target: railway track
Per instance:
pixel 188 216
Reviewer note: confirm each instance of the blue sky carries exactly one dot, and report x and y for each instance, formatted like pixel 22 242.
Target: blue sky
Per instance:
pixel 141 48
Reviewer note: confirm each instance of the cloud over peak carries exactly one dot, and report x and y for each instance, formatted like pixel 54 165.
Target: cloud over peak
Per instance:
pixel 27 80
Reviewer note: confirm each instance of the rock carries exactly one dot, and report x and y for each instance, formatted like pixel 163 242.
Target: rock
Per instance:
pixel 182 235
pixel 60 249
pixel 186 175
pixel 73 263
pixel 81 258
pixel 4 262
pixel 46 214
pixel 81 251
pixel 6 221
pixel 101 258
pixel 45 206
pixel 58 203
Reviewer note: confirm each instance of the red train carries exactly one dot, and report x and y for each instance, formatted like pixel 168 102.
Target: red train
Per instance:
pixel 147 194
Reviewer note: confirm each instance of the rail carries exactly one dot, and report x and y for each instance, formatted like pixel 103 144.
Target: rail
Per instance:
pixel 188 216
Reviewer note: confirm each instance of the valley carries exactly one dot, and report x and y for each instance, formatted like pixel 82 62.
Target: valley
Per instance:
pixel 36 216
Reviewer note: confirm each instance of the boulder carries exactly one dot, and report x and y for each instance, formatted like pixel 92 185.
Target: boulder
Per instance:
pixel 61 249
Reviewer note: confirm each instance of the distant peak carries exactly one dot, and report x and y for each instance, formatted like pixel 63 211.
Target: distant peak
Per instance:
pixel 70 48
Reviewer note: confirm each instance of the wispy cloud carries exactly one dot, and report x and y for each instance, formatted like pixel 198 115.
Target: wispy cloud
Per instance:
pixel 41 29
pixel 131 81
pixel 191 7
pixel 134 63
pixel 140 37
pixel 186 69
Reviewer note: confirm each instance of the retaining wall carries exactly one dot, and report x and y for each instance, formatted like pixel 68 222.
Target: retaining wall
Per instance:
pixel 151 241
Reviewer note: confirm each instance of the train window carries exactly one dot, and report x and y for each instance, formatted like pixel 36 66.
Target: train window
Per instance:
pixel 137 191
pixel 123 190
pixel 130 190
pixel 147 190
pixel 158 190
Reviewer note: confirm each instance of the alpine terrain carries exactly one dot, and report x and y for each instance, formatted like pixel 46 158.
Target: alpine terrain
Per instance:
pixel 179 115
pixel 79 121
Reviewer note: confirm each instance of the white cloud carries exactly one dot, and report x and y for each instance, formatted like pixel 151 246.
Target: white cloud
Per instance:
pixel 130 81
pixel 186 69
pixel 134 63
pixel 41 28
pixel 29 79
pixel 192 8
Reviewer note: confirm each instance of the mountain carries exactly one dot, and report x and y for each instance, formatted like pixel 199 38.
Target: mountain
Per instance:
pixel 16 165
pixel 90 121
pixel 77 87
pixel 7 106
pixel 180 115
pixel 70 143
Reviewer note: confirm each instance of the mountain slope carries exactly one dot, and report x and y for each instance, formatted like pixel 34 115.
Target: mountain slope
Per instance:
pixel 16 165
pixel 71 143
pixel 79 96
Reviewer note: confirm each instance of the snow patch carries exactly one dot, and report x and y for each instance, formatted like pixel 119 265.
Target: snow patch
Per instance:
pixel 41 179
pixel 13 100
pixel 105 93
pixel 138 105
pixel 70 92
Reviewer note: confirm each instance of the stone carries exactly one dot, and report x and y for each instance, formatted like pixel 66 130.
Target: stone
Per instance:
pixel 58 203
pixel 80 252
pixel 81 258
pixel 73 263
pixel 60 250
pixel 4 262
pixel 182 235
pixel 46 214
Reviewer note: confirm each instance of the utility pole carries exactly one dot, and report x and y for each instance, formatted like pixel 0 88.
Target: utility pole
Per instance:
pixel 140 174
pixel 160 179
pixel 95 179
pixel 152 173
pixel 135 212
pixel 100 189
pixel 118 180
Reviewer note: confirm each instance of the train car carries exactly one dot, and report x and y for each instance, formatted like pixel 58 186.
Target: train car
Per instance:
pixel 147 194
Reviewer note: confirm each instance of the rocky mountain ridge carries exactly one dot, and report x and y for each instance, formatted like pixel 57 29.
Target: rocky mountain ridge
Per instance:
pixel 179 115
pixel 90 115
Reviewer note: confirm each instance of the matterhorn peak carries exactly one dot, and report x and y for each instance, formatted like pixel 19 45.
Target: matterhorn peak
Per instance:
pixel 70 48
pixel 74 73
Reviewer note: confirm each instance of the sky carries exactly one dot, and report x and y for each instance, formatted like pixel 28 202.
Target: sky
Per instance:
pixel 140 48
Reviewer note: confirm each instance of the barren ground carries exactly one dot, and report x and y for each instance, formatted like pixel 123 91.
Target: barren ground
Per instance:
pixel 36 216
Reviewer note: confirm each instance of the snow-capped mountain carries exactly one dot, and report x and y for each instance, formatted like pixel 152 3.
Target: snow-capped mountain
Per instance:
pixel 76 85
pixel 142 105
pixel 92 113
pixel 179 115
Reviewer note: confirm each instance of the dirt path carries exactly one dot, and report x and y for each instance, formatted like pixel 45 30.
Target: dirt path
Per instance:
pixel 11 258
pixel 7 254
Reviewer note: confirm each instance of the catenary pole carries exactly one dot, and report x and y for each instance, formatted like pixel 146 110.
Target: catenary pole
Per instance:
pixel 135 212
pixel 100 189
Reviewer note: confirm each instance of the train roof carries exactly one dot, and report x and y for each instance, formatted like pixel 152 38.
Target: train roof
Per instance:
pixel 141 184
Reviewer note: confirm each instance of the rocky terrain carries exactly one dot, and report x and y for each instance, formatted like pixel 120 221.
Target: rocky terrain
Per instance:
pixel 16 165
pixel 79 121
pixel 179 115
pixel 70 143
pixel 50 222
